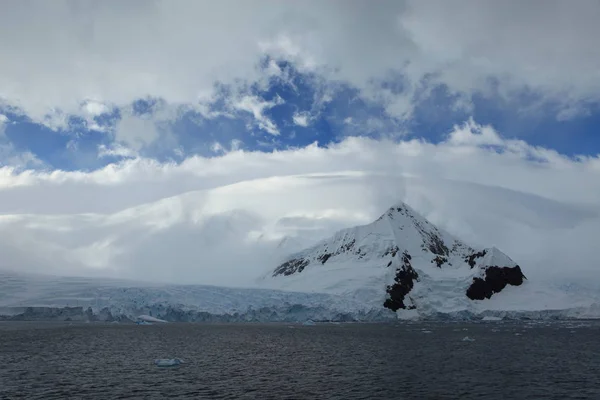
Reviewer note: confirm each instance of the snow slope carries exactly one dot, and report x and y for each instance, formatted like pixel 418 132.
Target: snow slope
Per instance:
pixel 405 263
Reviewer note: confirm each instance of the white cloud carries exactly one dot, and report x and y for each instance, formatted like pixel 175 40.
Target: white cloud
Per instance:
pixel 13 160
pixel 301 119
pixel 470 133
pixel 470 41
pixel 220 149
pixel 3 122
pixel 136 131
pixel 195 220
pixel 236 144
pixel 256 106
pixel 94 108
pixel 116 150
pixel 114 52
pixel 217 147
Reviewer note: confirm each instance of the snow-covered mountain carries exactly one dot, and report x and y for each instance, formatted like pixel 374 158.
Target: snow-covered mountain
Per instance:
pixel 400 265
pixel 402 262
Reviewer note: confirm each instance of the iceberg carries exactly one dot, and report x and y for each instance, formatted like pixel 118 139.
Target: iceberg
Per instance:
pixel 148 318
pixel 168 362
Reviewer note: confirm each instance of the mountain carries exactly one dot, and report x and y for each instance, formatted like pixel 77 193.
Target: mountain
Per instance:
pixel 401 261
pixel 399 266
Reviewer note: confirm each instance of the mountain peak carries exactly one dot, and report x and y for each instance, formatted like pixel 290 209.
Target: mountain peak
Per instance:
pixel 404 218
pixel 398 259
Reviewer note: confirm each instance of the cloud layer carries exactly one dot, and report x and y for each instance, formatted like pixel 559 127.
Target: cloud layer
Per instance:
pixel 64 56
pixel 184 140
pixel 219 220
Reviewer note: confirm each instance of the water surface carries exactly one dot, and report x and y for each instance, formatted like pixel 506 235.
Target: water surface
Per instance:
pixel 278 361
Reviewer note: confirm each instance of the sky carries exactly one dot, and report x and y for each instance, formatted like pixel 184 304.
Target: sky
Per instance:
pixel 180 140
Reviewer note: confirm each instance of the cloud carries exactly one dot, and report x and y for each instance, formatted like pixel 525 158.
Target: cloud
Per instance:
pixel 116 150
pixel 256 106
pixel 136 131
pixel 301 119
pixel 536 50
pixel 15 160
pixel 61 55
pixel 10 157
pixel 470 133
pixel 219 220
pixel 3 122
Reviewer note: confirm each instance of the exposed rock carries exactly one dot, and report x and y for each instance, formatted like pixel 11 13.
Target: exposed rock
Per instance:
pixel 404 282
pixel 392 250
pixel 297 265
pixel 439 261
pixel 471 259
pixel 324 257
pixel 496 278
pixel 436 245
pixel 291 267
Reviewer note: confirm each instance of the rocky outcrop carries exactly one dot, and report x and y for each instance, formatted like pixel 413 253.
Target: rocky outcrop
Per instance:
pixel 291 267
pixel 471 259
pixel 495 280
pixel 403 284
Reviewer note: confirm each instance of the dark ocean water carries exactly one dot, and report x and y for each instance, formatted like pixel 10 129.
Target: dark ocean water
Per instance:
pixel 328 361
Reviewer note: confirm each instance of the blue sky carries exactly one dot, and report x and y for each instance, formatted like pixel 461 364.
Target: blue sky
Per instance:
pixel 336 112
pixel 82 87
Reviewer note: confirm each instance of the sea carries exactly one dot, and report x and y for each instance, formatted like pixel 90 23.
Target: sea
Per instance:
pixel 409 360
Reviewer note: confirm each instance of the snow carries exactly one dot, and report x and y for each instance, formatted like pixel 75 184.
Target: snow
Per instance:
pixel 364 272
pixel 364 277
pixel 345 278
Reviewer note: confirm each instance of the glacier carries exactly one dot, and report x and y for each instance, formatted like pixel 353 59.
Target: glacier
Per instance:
pixel 42 298
pixel 400 266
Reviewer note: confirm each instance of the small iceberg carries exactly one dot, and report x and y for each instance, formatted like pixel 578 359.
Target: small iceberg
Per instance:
pixel 168 362
pixel 143 323
pixel 490 318
pixel 310 322
pixel 148 318
pixel 468 339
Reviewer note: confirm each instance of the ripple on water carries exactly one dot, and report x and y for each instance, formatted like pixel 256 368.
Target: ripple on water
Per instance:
pixel 272 361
